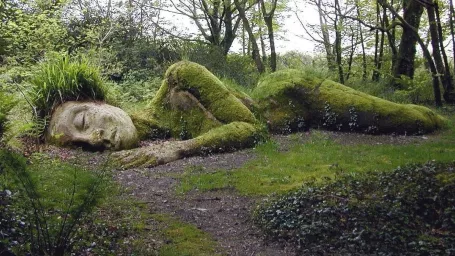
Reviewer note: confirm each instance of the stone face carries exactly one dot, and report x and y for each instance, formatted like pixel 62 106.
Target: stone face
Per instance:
pixel 93 124
pixel 291 100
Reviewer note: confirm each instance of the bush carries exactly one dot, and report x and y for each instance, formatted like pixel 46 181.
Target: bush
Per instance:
pixel 7 103
pixel 53 199
pixel 134 90
pixel 238 68
pixel 61 78
pixel 410 210
pixel 417 91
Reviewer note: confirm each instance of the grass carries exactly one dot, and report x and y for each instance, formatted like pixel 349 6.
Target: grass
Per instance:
pixel 61 79
pixel 183 238
pixel 318 157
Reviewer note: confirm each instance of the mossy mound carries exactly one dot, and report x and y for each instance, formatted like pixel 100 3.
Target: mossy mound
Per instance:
pixel 289 100
pixel 192 101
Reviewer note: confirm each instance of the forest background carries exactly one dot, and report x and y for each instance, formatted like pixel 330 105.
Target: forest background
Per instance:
pixel 400 50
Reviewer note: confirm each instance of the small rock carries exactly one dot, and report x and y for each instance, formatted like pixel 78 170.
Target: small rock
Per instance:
pixel 200 209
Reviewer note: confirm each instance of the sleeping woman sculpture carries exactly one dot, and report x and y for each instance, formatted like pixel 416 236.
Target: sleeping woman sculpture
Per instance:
pixel 195 107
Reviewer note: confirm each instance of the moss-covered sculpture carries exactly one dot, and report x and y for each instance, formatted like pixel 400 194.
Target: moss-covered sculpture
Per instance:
pixel 289 100
pixel 195 106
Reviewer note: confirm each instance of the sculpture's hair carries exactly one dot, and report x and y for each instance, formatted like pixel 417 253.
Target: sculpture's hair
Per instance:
pixel 61 78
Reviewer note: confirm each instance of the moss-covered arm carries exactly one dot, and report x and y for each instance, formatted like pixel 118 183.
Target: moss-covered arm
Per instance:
pixel 228 137
pixel 195 106
pixel 290 100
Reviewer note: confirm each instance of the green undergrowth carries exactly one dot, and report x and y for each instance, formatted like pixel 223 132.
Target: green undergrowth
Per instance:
pixel 318 156
pixel 183 238
pixel 50 201
pixel 409 210
pixel 54 207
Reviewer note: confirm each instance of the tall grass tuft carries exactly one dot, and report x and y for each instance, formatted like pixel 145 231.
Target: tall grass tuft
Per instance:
pixel 62 78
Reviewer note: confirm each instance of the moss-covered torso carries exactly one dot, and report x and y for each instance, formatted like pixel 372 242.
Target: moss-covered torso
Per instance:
pixel 289 100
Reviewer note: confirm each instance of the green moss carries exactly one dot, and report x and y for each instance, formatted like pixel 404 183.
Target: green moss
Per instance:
pixel 230 136
pixel 240 93
pixel 192 101
pixel 290 98
pixel 446 178
pixel 183 238
pixel 147 127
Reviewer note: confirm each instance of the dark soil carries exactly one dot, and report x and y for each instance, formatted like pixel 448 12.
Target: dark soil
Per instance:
pixel 224 214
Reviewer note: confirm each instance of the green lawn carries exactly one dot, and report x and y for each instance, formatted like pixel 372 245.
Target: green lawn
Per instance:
pixel 275 171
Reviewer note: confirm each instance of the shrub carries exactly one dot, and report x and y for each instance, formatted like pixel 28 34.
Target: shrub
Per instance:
pixel 236 67
pixel 295 60
pixel 53 198
pixel 134 90
pixel 7 103
pixel 410 210
pixel 61 78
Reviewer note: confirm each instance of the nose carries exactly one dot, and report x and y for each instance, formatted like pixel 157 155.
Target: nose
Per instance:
pixel 104 138
pixel 99 137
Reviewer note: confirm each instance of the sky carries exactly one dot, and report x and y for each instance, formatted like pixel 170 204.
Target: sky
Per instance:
pixel 293 37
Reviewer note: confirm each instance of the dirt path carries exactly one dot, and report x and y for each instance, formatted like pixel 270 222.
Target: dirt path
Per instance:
pixel 223 214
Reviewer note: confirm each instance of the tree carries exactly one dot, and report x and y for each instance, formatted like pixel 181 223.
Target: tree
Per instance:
pixel 255 54
pixel 404 64
pixel 408 27
pixel 217 21
pixel 321 30
pixel 30 29
pixel 268 19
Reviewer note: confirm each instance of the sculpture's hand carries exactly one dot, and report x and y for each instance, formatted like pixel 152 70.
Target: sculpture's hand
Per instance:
pixel 152 155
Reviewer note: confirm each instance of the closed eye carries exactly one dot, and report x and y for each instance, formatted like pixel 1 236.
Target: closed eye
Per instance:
pixel 83 121
pixel 80 121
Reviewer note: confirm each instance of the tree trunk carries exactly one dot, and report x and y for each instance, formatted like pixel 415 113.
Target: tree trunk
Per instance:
pixel 256 54
pixel 376 48
pixel 452 31
pixel 426 53
pixel 338 42
pixel 381 47
pixel 364 58
pixel 435 39
pixel 391 36
pixel 404 64
pixel 449 95
pixel 326 38
pixel 261 39
pixel 268 19
pixel 351 54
